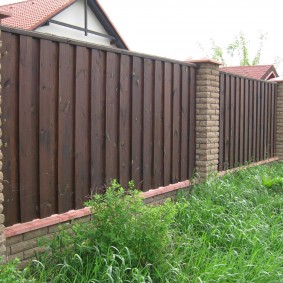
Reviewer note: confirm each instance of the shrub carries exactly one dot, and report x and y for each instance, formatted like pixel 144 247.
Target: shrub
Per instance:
pixel 9 273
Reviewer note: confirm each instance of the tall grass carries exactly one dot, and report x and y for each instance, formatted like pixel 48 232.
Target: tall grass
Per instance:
pixel 229 229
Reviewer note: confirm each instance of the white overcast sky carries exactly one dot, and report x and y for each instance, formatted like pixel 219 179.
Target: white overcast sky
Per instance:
pixel 173 28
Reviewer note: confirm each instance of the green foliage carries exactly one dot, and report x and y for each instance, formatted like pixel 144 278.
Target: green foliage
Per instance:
pixel 9 273
pixel 122 220
pixel 239 48
pixel 268 182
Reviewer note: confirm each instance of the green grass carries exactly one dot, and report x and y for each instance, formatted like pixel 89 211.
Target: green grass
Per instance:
pixel 229 229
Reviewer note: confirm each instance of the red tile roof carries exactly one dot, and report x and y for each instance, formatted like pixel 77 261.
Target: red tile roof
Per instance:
pixel 259 72
pixel 25 17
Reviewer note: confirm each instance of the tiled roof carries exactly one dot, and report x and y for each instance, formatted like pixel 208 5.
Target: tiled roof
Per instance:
pixel 259 72
pixel 31 13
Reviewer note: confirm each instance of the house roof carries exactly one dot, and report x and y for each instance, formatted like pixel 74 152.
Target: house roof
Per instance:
pixel 259 72
pixel 31 14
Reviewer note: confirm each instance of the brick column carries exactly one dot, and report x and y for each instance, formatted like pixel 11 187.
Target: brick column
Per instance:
pixel 279 118
pixel 2 218
pixel 207 117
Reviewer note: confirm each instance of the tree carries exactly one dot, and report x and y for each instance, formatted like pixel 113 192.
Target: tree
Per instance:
pixel 239 47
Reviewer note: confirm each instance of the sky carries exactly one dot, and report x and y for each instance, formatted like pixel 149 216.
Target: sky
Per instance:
pixel 177 28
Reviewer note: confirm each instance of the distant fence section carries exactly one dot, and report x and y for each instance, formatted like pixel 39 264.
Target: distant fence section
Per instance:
pixel 247 120
pixel 75 116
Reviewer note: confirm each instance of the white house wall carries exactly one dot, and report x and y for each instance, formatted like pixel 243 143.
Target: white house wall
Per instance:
pixel 74 15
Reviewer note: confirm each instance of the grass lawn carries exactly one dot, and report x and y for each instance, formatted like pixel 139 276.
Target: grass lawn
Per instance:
pixel 230 229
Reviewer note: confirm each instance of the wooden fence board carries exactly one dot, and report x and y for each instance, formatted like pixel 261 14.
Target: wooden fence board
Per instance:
pixel 158 143
pixel 148 124
pixel 168 71
pixel 221 122
pixel 185 110
pixel 246 120
pixel 176 131
pixel 82 122
pixel 242 122
pixel 48 98
pixel 137 121
pixel 192 123
pixel 237 122
pixel 28 128
pixel 112 104
pixel 232 122
pixel 10 128
pixel 66 123
pixel 227 124
pixel 125 121
pixel 98 111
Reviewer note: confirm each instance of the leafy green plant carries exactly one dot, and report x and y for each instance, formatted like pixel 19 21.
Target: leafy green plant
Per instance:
pixel 10 273
pixel 269 182
pixel 121 219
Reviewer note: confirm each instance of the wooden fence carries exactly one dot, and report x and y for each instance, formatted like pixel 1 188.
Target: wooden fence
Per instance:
pixel 247 120
pixel 77 115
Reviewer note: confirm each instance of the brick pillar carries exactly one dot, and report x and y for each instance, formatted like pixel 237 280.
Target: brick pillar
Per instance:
pixel 207 117
pixel 279 117
pixel 2 218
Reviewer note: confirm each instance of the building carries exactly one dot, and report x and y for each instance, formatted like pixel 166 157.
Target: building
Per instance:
pixel 259 72
pixel 83 20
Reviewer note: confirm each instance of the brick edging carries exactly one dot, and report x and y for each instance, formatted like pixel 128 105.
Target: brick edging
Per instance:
pixel 269 160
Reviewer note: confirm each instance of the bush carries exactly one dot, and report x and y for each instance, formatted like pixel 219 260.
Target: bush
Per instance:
pixel 9 273
pixel 125 241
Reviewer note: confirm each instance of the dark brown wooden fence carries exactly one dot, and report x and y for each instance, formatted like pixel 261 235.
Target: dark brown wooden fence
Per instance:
pixel 77 115
pixel 247 120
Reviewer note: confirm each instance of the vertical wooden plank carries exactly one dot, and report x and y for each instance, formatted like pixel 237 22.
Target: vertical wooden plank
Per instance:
pixel 192 122
pixel 227 122
pixel 66 121
pixel 82 129
pixel 242 121
pixel 137 121
pixel 251 120
pixel 28 128
pixel 265 124
pixel 261 111
pixel 48 127
pixel 221 122
pixel 125 121
pixel 112 119
pixel 10 128
pixel 269 109
pixel 185 110
pixel 176 135
pixel 97 120
pixel 237 121
pixel 259 129
pixel 273 120
pixel 168 70
pixel 158 160
pixel 246 120
pixel 255 125
pixel 148 124
pixel 232 122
